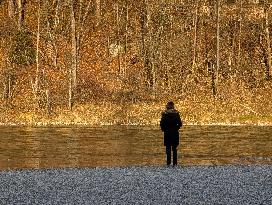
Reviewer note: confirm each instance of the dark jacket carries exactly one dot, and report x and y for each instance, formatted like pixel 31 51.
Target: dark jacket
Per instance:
pixel 170 124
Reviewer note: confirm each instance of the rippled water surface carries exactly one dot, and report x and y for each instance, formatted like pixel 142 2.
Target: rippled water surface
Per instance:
pixel 46 147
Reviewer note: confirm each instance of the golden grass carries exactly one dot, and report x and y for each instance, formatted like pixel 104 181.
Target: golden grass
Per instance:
pixel 192 112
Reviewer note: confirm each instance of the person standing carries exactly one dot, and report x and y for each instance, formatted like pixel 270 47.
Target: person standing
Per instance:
pixel 170 124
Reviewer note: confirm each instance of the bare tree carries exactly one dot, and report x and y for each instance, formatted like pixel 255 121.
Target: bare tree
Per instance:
pixel 195 35
pixel 52 29
pixel 268 71
pixel 127 23
pixel 231 43
pixel 240 33
pixel 146 41
pixel 21 13
pixel 36 86
pixel 73 67
pixel 217 43
pixel 11 8
pixel 78 28
pixel 118 37
pixel 98 11
pixel 40 85
pixel 9 66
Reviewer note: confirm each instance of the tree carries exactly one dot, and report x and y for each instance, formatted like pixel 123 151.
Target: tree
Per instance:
pixel 145 30
pixel 9 70
pixel 11 8
pixel 98 12
pixel 217 44
pixel 240 34
pixel 78 16
pixel 22 51
pixel 73 67
pixel 195 35
pixel 21 13
pixel 36 85
pixel 268 59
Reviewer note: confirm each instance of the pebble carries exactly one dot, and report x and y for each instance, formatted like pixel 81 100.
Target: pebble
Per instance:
pixel 230 184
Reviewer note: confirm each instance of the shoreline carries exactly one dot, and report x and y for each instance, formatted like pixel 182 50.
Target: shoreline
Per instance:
pixel 60 124
pixel 228 185
pixel 137 114
pixel 139 167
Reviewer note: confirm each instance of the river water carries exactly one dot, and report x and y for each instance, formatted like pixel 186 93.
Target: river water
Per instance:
pixel 108 146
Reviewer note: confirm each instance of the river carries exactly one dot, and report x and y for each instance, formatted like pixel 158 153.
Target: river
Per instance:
pixel 107 146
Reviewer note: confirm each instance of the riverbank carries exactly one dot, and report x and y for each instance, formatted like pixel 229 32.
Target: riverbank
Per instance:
pixel 213 113
pixel 84 124
pixel 139 185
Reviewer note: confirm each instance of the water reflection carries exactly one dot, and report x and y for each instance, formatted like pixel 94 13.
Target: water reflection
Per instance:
pixel 34 147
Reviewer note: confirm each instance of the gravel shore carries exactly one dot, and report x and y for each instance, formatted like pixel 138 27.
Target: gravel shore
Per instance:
pixel 139 185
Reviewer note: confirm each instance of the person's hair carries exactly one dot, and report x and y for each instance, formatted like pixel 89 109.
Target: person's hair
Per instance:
pixel 170 105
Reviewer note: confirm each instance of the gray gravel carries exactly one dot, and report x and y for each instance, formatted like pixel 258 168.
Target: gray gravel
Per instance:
pixel 139 185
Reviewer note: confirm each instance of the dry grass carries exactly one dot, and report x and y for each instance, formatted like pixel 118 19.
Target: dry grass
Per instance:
pixel 215 111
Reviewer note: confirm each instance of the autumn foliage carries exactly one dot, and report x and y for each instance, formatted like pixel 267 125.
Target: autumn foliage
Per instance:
pixel 120 61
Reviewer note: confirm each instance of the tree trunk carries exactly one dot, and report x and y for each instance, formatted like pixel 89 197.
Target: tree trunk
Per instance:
pixel 21 13
pixel 36 87
pixel 240 35
pixel 146 41
pixel 73 68
pixel 55 47
pixel 79 31
pixel 217 44
pixel 126 37
pixel 52 21
pixel 9 86
pixel 268 50
pixel 169 57
pixel 213 80
pixel 232 47
pixel 77 37
pixel 48 103
pixel 7 73
pixel 98 12
pixel 11 8
pixel 120 70
pixel 7 83
pixel 7 80
pixel 211 71
pixel 195 37
pixel 20 22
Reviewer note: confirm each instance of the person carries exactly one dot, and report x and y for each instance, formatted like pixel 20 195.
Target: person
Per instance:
pixel 170 124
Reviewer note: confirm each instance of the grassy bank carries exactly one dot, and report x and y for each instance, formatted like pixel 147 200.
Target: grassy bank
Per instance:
pixel 192 112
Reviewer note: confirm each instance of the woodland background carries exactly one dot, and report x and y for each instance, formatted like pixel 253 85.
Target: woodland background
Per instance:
pixel 120 61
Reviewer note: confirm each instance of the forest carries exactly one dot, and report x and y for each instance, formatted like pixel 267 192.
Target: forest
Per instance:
pixel 120 61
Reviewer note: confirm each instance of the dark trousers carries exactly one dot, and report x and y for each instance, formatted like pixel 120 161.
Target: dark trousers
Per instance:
pixel 170 148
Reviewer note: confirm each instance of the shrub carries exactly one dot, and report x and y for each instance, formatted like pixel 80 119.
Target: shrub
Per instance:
pixel 22 51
